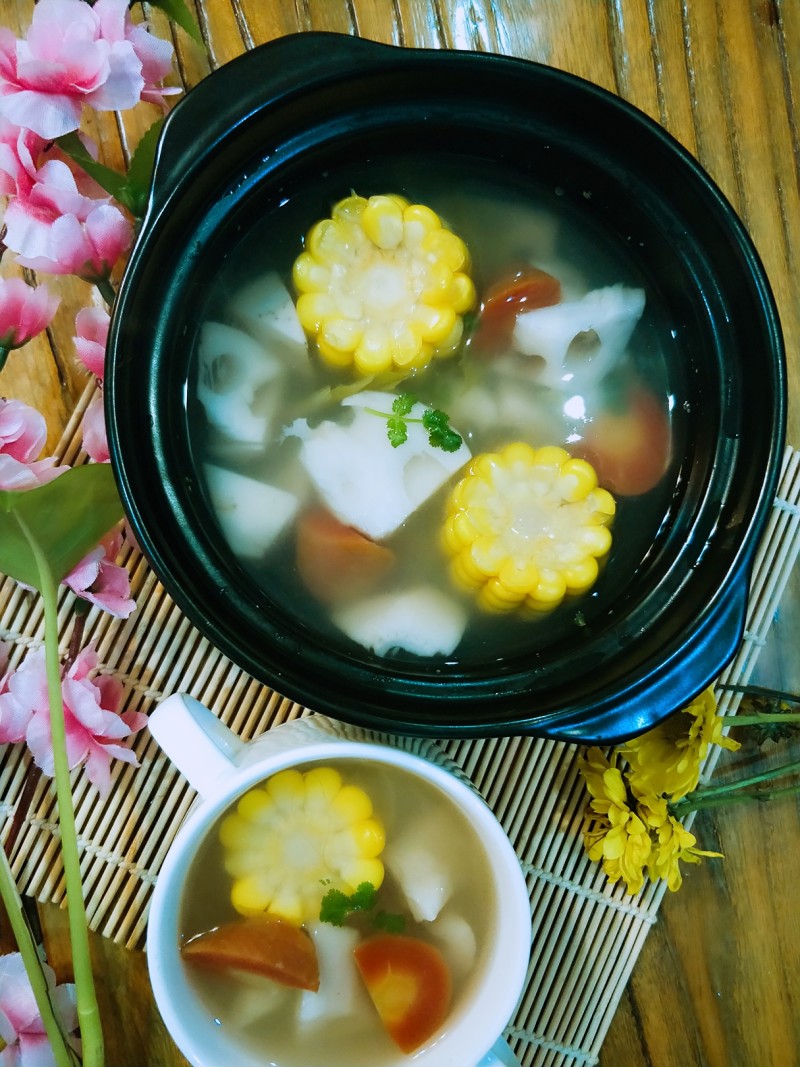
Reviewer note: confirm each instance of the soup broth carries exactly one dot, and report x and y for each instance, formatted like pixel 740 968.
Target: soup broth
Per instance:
pixel 493 396
pixel 435 866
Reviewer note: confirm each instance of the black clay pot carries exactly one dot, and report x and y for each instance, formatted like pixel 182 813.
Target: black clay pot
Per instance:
pixel 287 114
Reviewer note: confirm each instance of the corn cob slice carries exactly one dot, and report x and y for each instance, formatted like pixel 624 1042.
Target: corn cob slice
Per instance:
pixel 525 527
pixel 383 285
pixel 295 837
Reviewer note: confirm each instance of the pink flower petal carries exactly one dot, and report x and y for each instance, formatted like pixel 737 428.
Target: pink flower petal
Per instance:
pixel 25 311
pixel 91 335
pixel 95 438
pixel 23 430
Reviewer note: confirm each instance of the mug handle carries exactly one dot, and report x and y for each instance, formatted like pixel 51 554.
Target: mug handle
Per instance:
pixel 499 1055
pixel 203 749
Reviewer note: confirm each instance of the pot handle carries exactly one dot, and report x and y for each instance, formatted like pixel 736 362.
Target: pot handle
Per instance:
pixel 710 649
pixel 279 70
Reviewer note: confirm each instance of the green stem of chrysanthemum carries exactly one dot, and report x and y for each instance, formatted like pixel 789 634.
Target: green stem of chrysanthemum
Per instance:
pixel 3 356
pixel 62 1053
pixel 86 997
pixel 730 792
pixel 759 718
pixel 760 691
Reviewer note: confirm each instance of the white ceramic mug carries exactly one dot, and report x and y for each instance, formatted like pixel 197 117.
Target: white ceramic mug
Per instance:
pixel 221 767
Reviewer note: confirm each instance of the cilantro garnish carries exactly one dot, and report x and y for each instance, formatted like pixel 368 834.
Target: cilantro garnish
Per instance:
pixel 440 433
pixel 389 922
pixel 336 906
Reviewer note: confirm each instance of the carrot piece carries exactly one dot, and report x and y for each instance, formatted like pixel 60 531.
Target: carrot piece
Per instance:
pixel 262 945
pixel 523 290
pixel 630 450
pixel 337 561
pixel 409 983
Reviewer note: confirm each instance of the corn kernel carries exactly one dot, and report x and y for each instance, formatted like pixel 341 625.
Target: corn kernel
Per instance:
pixel 581 575
pixel 334 357
pixel 449 345
pixel 342 335
pixel 322 785
pixel 406 345
pixel 350 209
pixel 462 293
pixel 434 323
pixel 551 587
pixel 438 284
pixel 327 242
pixel 577 479
pixel 443 245
pixel 374 354
pixel 383 222
pixel 422 215
pixel 309 275
pixel 248 897
pixel 351 804
pixel 314 309
pixel 363 870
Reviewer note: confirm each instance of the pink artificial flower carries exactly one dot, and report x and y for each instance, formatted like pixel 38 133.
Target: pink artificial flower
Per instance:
pixel 75 54
pixel 15 713
pixel 58 230
pixel 25 311
pixel 99 579
pixel 19 150
pixel 58 220
pixel 153 53
pixel 95 438
pixel 21 1028
pixel 95 731
pixel 23 432
pixel 91 329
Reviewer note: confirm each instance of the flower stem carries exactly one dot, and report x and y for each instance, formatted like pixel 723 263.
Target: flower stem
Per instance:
pixel 106 290
pixel 757 718
pixel 712 796
pixel 88 1012
pixel 62 1053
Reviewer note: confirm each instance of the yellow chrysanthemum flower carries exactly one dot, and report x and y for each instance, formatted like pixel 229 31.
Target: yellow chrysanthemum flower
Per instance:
pixel 667 759
pixel 616 836
pixel 674 845
pixel 295 837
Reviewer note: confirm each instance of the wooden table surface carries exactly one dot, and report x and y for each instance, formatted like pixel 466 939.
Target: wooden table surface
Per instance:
pixel 718 981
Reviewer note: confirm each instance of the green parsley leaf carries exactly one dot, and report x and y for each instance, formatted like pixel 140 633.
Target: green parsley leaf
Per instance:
pixel 364 897
pixel 403 403
pixel 440 433
pixel 397 430
pixel 390 922
pixel 335 907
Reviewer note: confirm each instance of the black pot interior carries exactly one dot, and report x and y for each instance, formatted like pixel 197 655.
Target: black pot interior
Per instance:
pixel 297 124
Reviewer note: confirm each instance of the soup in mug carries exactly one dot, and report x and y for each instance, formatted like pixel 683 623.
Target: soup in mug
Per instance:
pixel 337 915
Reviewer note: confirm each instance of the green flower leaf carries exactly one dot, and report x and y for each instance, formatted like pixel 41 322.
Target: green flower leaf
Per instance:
pixel 57 523
pixel 106 177
pixel 140 171
pixel 180 13
pixel 131 190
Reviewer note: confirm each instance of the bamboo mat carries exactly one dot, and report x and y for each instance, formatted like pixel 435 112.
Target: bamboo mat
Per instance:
pixel 586 935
